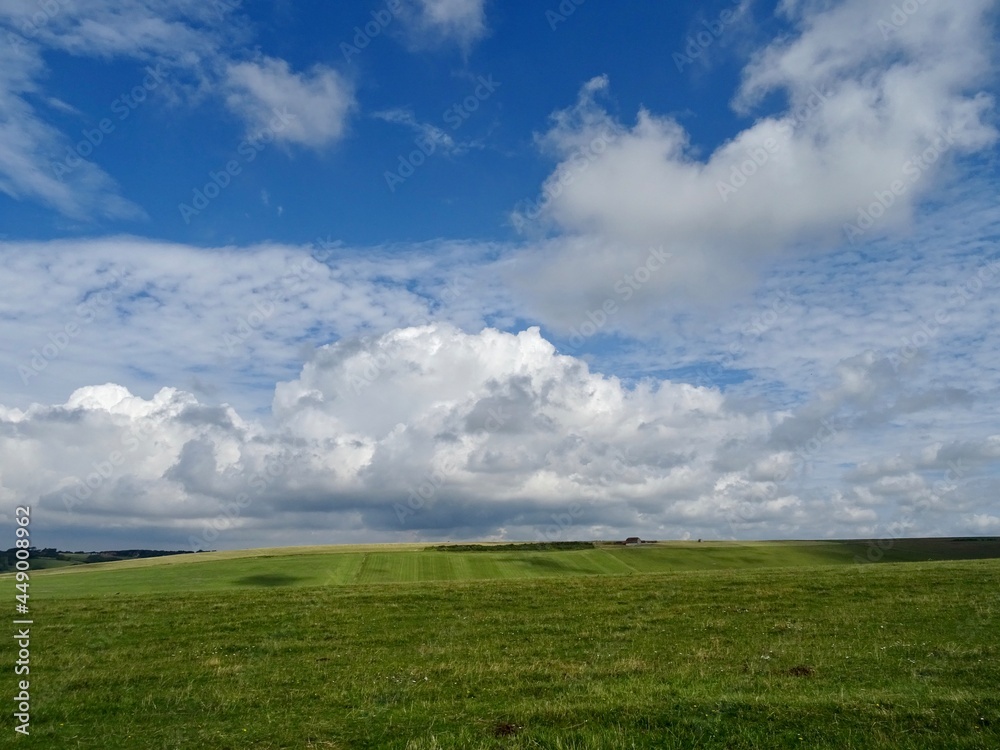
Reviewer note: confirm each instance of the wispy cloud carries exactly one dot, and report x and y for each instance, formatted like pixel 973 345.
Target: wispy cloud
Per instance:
pixel 196 45
pixel 426 132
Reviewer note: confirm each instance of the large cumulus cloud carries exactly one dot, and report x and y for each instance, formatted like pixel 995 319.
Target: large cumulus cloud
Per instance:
pixel 424 429
pixel 431 432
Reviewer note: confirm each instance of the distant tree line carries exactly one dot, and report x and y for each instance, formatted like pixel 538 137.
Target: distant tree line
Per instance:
pixel 8 557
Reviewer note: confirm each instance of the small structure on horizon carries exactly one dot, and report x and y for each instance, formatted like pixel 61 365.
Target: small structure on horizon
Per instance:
pixel 633 540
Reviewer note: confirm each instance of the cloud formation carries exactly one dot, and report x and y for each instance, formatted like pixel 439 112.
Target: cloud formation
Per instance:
pixel 312 107
pixel 92 310
pixel 434 22
pixel 422 429
pixel 234 396
pixel 431 432
pixel 867 119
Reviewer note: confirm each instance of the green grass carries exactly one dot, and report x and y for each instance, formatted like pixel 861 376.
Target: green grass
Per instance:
pixel 378 648
pixel 514 547
pixel 44 563
pixel 322 566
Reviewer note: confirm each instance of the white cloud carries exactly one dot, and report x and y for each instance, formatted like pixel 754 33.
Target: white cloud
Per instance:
pixel 231 315
pixel 490 429
pixel 861 114
pixel 433 22
pixel 310 109
pixel 183 31
pixel 365 421
pixel 431 432
pixel 984 523
pixel 37 161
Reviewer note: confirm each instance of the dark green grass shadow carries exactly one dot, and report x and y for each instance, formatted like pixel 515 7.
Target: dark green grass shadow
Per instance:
pixel 268 580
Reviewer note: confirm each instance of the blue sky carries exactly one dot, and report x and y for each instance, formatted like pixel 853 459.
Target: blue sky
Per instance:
pixel 167 144
pixel 468 269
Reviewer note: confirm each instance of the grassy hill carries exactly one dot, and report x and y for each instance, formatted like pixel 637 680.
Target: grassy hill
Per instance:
pixel 763 645
pixel 402 563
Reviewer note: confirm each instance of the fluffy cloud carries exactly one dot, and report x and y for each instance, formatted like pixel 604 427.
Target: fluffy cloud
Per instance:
pixel 310 109
pixel 868 117
pixel 848 411
pixel 847 397
pixel 430 432
pixel 432 22
pixel 426 429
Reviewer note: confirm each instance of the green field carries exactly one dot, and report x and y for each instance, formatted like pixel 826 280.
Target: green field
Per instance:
pixel 714 645
pixel 403 563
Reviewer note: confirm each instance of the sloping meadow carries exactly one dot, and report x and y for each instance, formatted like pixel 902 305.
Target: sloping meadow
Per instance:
pixel 832 656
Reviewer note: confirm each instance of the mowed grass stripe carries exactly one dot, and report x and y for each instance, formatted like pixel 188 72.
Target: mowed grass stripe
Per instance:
pixel 545 564
pixel 341 570
pixel 376 568
pixel 481 565
pixel 461 566
pixel 439 567
pixel 657 559
pixel 391 567
pixel 409 563
pixel 607 564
